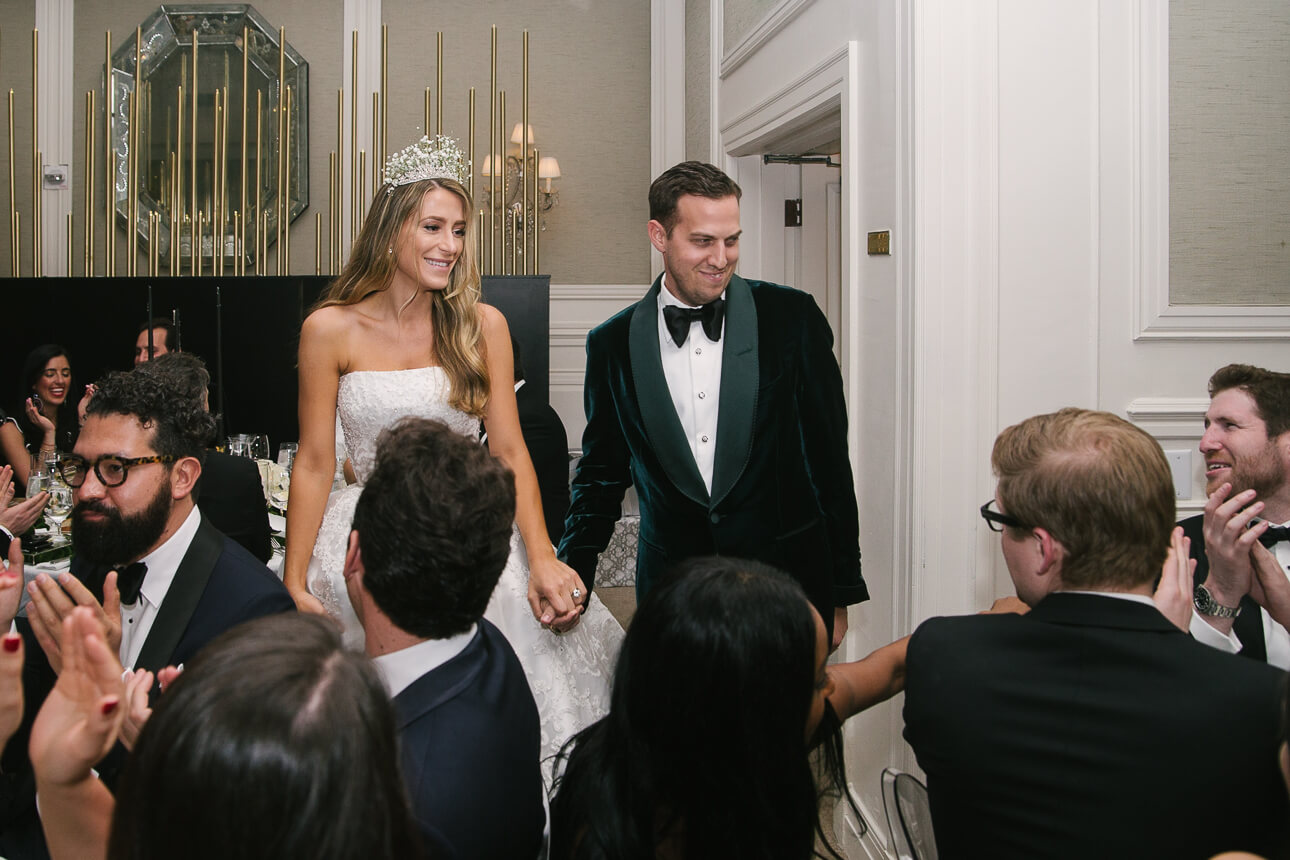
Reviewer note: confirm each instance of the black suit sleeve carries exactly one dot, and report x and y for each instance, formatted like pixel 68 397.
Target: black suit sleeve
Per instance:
pixel 822 422
pixel 604 472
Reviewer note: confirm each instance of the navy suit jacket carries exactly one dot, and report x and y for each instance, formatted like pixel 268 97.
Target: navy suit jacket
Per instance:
pixel 1248 626
pixel 782 490
pixel 1092 727
pixel 469 738
pixel 231 495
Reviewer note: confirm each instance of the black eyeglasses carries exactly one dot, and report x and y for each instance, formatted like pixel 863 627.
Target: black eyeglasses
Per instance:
pixel 996 520
pixel 111 470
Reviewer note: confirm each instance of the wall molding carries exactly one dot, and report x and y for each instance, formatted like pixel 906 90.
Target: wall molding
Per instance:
pixel 1154 317
pixel 597 292
pixel 774 21
pixel 819 89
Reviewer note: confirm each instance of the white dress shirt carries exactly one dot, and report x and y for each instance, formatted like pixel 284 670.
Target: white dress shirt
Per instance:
pixel 162 563
pixel 1276 636
pixel 693 374
pixel 400 668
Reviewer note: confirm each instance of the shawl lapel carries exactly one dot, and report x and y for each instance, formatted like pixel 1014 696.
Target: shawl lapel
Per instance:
pixel 662 425
pixel 740 376
pixel 181 600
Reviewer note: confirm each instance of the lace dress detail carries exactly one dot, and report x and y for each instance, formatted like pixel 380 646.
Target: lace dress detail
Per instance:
pixel 570 674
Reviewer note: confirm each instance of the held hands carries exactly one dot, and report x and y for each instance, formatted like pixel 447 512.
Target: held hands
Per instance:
pixel 556 594
pixel 81 716
pixel 53 602
pixel 1173 596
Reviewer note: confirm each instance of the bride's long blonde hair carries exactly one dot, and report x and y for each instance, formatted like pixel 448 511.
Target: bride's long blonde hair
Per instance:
pixel 453 313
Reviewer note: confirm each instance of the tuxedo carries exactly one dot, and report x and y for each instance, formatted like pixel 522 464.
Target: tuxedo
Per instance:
pixel 469 739
pixel 1092 727
pixel 1248 626
pixel 231 495
pixel 217 586
pixel 548 444
pixel 782 491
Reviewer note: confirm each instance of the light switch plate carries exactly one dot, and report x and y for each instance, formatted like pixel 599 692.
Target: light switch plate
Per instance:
pixel 1180 468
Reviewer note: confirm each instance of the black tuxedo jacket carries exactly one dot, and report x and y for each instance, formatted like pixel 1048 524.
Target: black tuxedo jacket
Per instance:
pixel 469 738
pixel 548 444
pixel 217 586
pixel 782 490
pixel 1248 626
pixel 1092 727
pixel 231 495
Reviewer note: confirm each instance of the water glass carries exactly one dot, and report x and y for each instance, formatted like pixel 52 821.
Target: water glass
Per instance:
pixel 58 509
pixel 287 455
pixel 37 482
pixel 239 445
pixel 259 446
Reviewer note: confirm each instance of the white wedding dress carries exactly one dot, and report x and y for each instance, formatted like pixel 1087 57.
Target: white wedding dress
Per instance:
pixel 569 674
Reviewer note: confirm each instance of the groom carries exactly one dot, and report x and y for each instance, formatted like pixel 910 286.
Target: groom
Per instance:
pixel 720 399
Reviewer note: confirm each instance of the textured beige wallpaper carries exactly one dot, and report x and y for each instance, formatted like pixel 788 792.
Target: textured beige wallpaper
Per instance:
pixel 313 29
pixel 15 74
pixel 1229 147
pixel 697 30
pixel 589 95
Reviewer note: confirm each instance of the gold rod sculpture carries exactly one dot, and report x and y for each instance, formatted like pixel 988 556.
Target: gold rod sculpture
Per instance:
pixel 376 140
pixel 177 210
pixel 136 117
pixel 479 236
pixel 69 244
pixel 217 221
pixel 223 177
pixel 241 181
pixel 362 189
pixel 331 213
pixel 470 148
pixel 283 97
pixel 385 104
pixel 438 87
pixel 500 162
pixel 286 190
pixel 109 161
pixel 132 235
pixel 427 106
pixel 522 234
pixel 194 223
pixel 340 170
pixel 490 251
pixel 353 138
pixel 197 238
pixel 13 202
pixel 175 173
pixel 259 189
pixel 317 243
pixel 89 185
pixel 36 227
pixel 537 216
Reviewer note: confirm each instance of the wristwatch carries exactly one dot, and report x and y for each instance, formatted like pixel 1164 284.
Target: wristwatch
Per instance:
pixel 1206 604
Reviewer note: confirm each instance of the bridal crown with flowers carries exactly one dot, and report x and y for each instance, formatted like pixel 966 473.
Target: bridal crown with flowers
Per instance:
pixel 439 158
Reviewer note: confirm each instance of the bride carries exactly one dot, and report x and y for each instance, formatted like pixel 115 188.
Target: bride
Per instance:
pixel 402 332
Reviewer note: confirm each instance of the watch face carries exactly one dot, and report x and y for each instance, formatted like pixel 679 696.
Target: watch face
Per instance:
pixel 1203 601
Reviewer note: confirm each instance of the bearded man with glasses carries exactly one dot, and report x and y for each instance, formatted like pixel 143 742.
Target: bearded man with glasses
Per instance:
pixel 160 578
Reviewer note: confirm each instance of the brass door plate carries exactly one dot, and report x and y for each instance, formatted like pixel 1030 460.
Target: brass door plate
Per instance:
pixel 880 243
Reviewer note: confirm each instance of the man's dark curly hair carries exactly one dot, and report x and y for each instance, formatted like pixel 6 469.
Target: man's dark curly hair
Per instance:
pixel 434 528
pixel 181 425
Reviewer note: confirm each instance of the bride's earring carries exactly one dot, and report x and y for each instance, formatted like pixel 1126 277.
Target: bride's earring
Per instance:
pixel 390 250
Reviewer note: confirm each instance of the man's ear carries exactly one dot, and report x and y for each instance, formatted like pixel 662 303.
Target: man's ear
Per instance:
pixel 353 558
pixel 657 236
pixel 183 477
pixel 1052 553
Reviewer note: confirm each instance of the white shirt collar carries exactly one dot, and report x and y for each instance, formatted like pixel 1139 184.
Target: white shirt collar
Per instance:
pixel 400 668
pixel 666 298
pixel 163 561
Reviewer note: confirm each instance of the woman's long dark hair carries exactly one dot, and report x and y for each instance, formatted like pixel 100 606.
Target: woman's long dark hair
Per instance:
pixel 274 743
pixel 704 747
pixel 68 425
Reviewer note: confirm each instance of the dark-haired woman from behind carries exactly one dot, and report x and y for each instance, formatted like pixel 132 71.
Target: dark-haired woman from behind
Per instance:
pixel 719 696
pixel 275 742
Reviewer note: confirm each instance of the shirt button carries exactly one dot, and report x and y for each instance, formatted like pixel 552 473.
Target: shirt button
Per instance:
pixel 703 438
pixel 698 350
pixel 702 395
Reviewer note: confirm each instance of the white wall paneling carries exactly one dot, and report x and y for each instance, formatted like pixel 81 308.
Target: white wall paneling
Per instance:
pixel 54 23
pixel 775 20
pixel 1177 424
pixel 575 310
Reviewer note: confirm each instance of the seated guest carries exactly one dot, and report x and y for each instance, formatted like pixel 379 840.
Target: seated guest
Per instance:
pixel 1091 726
pixel 47 407
pixel 13 449
pixel 274 742
pixel 1246 446
pixel 719 694
pixel 164 337
pixel 229 492
pixel 548 444
pixel 133 470
pixel 432 532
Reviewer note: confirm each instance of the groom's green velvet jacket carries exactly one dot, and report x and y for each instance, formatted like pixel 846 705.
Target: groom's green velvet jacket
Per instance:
pixel 782 490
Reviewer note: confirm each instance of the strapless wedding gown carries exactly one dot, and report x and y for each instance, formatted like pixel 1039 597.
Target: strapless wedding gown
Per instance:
pixel 569 674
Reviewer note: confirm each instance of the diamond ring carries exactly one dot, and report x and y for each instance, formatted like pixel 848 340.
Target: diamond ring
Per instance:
pixel 577 592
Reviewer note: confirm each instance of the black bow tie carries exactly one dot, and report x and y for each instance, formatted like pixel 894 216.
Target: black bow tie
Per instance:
pixel 710 315
pixel 1274 535
pixel 129 580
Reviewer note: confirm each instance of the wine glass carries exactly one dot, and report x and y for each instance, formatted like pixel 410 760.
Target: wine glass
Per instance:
pixel 287 455
pixel 58 509
pixel 239 445
pixel 259 446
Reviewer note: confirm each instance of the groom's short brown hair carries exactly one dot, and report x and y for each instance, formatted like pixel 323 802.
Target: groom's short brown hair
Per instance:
pixel 688 177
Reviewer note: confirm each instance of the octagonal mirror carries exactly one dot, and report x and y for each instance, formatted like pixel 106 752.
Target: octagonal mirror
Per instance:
pixel 183 175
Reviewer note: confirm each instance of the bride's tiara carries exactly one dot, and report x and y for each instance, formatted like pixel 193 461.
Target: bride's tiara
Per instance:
pixel 427 159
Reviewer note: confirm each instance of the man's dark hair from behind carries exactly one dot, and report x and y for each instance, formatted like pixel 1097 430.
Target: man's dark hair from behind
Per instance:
pixel 1269 390
pixel 181 425
pixel 688 177
pixel 434 527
